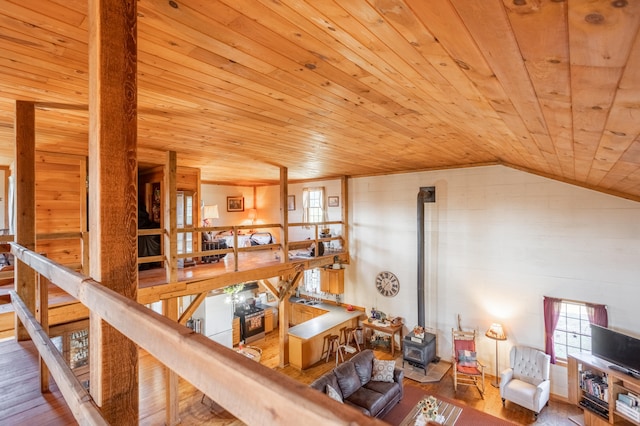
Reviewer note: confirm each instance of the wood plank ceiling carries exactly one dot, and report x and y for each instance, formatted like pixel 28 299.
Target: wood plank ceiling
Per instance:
pixel 350 87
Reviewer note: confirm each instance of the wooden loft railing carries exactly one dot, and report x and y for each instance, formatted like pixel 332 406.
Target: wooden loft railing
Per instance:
pixel 227 377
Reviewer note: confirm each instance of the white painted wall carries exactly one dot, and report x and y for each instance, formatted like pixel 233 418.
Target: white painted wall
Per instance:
pixel 499 240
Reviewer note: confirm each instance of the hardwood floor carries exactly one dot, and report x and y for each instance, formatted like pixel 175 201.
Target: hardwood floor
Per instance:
pixel 22 403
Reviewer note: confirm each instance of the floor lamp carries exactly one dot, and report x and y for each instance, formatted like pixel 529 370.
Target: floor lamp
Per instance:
pixel 496 333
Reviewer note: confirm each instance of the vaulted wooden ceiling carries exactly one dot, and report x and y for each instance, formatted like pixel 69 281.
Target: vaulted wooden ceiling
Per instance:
pixel 350 87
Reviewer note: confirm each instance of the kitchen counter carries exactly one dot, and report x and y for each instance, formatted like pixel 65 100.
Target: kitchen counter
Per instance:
pixel 335 315
pixel 306 339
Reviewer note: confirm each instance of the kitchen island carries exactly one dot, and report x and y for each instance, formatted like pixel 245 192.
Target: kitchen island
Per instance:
pixel 306 339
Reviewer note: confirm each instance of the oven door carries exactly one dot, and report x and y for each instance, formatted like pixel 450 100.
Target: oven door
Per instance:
pixel 253 324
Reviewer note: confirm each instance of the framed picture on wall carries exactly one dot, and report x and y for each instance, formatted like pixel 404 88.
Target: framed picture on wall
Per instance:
pixel 291 202
pixel 334 201
pixel 235 204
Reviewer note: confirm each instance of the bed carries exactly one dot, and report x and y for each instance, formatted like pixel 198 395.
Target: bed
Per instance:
pixel 247 240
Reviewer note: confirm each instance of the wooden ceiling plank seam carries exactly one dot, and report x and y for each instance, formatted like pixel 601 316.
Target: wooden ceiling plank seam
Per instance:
pixel 501 51
pixel 546 57
pixel 442 20
pixel 353 106
pixel 610 33
pixel 622 127
pixel 244 44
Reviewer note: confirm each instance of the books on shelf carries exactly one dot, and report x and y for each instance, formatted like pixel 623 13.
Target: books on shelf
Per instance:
pixel 629 405
pixel 595 384
pixel 629 399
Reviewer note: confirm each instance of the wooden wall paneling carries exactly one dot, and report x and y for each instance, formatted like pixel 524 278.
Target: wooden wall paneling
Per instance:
pixel 61 206
pixel 25 277
pixel 113 198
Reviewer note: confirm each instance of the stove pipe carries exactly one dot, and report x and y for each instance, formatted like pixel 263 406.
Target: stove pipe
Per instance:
pixel 427 194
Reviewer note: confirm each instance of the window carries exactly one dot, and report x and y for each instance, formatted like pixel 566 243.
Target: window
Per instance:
pixel 573 332
pixel 313 205
pixel 567 326
pixel 312 280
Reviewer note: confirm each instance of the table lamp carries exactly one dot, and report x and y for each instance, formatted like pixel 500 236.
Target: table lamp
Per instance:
pixel 496 333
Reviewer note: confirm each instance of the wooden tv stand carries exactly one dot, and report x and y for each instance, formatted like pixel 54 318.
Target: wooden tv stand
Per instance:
pixel 617 382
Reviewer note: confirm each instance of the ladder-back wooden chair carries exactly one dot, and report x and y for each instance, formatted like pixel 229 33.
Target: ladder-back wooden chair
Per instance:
pixel 467 370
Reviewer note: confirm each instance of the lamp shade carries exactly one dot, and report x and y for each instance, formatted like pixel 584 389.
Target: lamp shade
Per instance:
pixel 496 332
pixel 211 212
pixel 253 214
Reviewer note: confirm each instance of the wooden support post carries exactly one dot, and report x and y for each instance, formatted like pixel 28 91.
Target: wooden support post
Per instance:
pixel 113 206
pixel 345 212
pixel 284 213
pixel 169 219
pixel 172 410
pixel 42 316
pixel 283 305
pixel 25 134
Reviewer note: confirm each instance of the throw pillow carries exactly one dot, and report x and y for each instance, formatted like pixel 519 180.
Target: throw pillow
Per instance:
pixel 467 359
pixel 382 370
pixel 334 394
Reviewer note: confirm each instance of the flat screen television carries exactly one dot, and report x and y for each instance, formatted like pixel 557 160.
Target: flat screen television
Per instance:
pixel 621 350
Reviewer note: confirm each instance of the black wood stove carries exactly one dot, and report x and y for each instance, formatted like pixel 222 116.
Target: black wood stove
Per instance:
pixel 419 352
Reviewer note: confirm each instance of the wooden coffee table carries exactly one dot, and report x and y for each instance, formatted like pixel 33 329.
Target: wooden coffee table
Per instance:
pixel 450 413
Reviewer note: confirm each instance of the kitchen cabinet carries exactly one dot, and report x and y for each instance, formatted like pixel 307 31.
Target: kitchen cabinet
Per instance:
pixel 300 313
pixel 332 280
pixel 236 331
pixel 268 320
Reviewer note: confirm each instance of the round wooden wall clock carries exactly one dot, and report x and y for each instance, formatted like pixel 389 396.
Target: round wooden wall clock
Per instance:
pixel 387 284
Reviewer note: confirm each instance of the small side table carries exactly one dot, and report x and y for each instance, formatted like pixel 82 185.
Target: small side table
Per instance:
pixel 388 329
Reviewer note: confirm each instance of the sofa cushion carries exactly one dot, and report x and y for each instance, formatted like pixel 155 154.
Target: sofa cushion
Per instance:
pixel 326 379
pixel 368 398
pixel 364 365
pixel 348 379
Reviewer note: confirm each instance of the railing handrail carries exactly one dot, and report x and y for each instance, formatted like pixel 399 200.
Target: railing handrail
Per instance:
pixel 227 377
pixel 82 406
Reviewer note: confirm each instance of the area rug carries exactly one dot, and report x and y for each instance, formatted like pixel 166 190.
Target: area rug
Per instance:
pixel 469 416
pixel 435 371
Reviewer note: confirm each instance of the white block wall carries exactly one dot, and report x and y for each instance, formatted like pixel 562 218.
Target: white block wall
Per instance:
pixel 498 241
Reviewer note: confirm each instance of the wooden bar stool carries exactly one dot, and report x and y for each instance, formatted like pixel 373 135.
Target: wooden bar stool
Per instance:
pixel 343 335
pixel 352 334
pixel 329 345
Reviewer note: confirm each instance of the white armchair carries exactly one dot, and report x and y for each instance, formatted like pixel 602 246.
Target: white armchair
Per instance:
pixel 526 382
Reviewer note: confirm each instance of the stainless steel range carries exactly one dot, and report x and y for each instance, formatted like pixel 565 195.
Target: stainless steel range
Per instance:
pixel 251 322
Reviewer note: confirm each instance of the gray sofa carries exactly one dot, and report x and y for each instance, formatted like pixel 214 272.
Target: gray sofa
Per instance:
pixel 352 380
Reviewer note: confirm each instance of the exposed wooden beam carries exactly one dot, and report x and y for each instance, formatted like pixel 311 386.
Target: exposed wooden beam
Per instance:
pixel 113 178
pixel 169 220
pixel 172 410
pixel 191 308
pixel 25 278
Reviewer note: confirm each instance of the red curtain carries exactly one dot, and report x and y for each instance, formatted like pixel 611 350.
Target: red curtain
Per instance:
pixel 597 314
pixel 551 314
